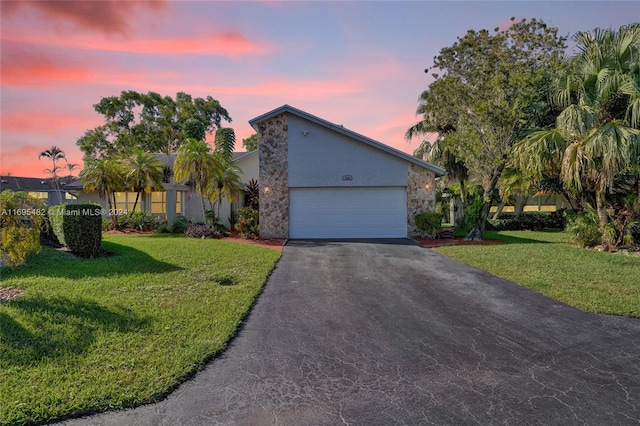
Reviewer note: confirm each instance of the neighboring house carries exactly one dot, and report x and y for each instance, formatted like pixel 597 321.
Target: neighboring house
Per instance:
pixel 174 200
pixel 320 180
pixel 42 188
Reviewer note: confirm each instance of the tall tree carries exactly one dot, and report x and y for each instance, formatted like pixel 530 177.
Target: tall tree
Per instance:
pixel 196 165
pixel 148 121
pixel 144 174
pixel 597 135
pixel 490 89
pixel 55 154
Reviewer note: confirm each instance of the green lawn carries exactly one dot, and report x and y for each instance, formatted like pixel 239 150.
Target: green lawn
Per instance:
pixel 93 334
pixel 543 261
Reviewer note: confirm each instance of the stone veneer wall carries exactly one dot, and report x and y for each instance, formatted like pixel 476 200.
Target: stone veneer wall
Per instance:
pixel 421 195
pixel 273 178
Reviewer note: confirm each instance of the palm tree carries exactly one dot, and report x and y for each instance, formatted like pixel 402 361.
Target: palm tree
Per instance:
pixel 55 154
pixel 226 183
pixel 596 136
pixel 196 165
pixel 105 176
pixel 145 174
pixel 225 141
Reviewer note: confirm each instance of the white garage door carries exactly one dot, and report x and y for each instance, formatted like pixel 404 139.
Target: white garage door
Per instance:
pixel 348 212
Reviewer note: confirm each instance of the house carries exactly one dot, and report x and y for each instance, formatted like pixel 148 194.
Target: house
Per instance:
pixel 321 180
pixel 41 188
pixel 174 200
pixel 317 180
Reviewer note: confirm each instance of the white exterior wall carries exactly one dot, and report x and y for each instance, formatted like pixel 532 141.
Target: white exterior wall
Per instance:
pixel 320 157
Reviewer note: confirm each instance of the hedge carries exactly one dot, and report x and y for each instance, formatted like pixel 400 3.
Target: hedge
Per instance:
pixel 78 227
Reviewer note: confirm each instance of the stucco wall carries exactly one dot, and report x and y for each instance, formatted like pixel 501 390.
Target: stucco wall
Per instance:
pixel 421 195
pixel 321 157
pixel 273 177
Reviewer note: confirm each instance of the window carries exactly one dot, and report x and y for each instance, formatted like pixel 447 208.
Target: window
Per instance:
pixel 159 202
pixel 126 200
pixel 43 195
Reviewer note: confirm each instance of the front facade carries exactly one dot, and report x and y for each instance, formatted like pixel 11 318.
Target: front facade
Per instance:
pixel 320 180
pixel 174 200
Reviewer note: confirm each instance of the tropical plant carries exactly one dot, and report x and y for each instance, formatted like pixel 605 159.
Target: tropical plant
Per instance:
pixel 106 177
pixel 252 194
pixel 597 135
pixel 55 154
pixel 226 183
pixel 196 166
pixel 248 222
pixel 225 142
pixel 145 174
pixel 584 229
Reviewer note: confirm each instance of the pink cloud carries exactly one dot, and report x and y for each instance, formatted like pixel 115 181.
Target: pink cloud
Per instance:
pixel 44 123
pixel 109 17
pixel 226 43
pixel 25 66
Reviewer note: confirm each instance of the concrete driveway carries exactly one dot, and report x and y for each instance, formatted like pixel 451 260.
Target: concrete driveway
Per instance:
pixel 392 334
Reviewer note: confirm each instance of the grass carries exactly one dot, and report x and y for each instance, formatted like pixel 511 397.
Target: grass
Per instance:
pixel 592 281
pixel 94 334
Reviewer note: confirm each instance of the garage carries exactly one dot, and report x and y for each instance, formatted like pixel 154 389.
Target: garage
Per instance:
pixel 354 212
pixel 321 180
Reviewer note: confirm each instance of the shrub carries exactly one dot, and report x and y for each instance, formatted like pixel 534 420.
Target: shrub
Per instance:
pixel 139 220
pixel 584 229
pixel 163 229
pixel 47 236
pixel 21 218
pixel 529 222
pixel 248 225
pixel 79 227
pixel 429 222
pixel 179 226
pixel 202 231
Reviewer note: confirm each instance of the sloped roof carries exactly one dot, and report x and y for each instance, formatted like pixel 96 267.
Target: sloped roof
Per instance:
pixel 353 135
pixel 16 183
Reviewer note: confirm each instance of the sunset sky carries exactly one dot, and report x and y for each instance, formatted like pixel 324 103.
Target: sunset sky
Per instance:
pixel 356 63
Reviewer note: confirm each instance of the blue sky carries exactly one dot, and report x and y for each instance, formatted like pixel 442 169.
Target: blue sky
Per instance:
pixel 360 64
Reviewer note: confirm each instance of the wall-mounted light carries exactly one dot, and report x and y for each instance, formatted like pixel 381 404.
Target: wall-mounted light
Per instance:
pixel 305 133
pixel 266 189
pixel 427 186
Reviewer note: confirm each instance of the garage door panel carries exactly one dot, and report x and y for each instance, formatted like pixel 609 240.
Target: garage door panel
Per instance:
pixel 348 212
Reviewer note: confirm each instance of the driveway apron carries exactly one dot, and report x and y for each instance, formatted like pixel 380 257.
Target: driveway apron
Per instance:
pixel 388 333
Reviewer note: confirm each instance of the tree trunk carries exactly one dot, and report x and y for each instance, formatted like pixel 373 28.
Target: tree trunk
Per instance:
pixel 204 211
pixel 601 208
pixel 498 212
pixel 463 192
pixel 477 232
pixel 519 208
pixel 112 211
pixel 135 203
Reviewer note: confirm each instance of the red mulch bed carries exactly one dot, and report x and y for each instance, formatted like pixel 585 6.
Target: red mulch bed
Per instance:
pixel 458 241
pixel 272 243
